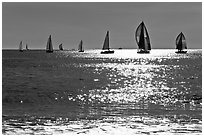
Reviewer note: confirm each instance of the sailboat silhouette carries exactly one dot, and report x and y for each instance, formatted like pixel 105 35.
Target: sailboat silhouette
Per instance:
pixel 106 47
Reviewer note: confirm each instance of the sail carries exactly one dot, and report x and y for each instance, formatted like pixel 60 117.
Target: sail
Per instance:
pixel 27 47
pixel 21 46
pixel 80 48
pixel 181 42
pixel 106 42
pixel 49 47
pixel 60 47
pixel 147 39
pixel 142 37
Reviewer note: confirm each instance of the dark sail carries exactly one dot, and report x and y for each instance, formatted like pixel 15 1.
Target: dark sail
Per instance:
pixel 141 43
pixel 80 48
pixel 142 37
pixel 106 42
pixel 181 42
pixel 138 35
pixel 27 47
pixel 147 39
pixel 60 47
pixel 49 47
pixel 106 45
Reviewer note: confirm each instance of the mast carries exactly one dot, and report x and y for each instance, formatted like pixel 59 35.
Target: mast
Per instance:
pixel 106 42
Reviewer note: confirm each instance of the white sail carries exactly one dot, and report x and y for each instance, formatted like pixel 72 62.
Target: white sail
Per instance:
pixel 21 46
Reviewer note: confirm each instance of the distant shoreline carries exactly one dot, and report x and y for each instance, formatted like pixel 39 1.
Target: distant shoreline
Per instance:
pixel 100 49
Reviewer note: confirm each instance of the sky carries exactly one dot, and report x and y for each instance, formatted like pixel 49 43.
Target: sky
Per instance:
pixel 69 22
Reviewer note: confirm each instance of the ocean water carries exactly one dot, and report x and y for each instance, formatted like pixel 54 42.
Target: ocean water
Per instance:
pixel 67 92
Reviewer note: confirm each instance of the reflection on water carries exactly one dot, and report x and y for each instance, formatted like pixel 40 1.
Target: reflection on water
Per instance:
pixel 121 93
pixel 148 78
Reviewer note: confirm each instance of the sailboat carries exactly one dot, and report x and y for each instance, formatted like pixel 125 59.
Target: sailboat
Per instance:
pixel 142 39
pixel 49 47
pixel 60 47
pixel 80 48
pixel 181 43
pixel 21 47
pixel 106 45
pixel 27 47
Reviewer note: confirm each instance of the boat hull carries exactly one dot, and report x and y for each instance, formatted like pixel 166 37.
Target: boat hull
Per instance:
pixel 181 52
pixel 143 52
pixel 48 51
pixel 81 51
pixel 107 52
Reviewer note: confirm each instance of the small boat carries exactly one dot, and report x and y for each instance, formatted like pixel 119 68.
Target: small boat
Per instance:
pixel 80 48
pixel 142 39
pixel 49 47
pixel 106 45
pixel 21 46
pixel 27 47
pixel 181 43
pixel 60 47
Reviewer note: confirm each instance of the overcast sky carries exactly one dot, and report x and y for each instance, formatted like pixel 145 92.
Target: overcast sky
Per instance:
pixel 68 23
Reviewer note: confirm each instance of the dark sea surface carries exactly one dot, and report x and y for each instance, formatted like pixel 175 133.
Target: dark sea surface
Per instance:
pixel 67 92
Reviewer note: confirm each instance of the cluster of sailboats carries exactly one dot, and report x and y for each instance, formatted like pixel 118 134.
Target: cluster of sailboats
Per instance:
pixel 141 36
